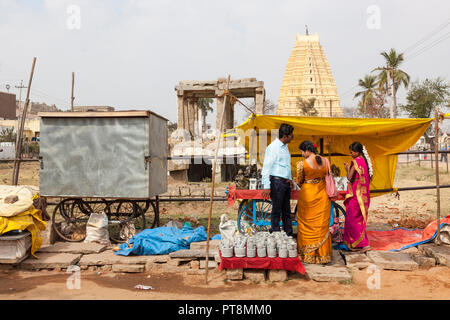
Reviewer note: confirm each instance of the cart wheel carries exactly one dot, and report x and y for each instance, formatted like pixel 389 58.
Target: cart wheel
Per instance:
pixel 88 206
pixel 123 213
pixel 149 209
pixel 69 221
pixel 263 209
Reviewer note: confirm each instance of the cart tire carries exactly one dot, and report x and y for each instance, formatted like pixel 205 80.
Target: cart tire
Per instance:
pixel 75 221
pixel 263 215
pixel 149 209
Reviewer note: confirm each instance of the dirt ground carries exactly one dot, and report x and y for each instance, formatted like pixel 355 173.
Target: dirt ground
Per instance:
pixel 386 211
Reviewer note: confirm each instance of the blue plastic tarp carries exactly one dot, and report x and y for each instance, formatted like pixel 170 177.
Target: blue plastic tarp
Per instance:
pixel 162 240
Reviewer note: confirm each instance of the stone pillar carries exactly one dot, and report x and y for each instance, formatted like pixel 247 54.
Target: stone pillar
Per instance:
pixel 200 120
pixel 220 106
pixel 195 113
pixel 180 105
pixel 186 114
pixel 229 116
pixel 191 116
pixel 260 96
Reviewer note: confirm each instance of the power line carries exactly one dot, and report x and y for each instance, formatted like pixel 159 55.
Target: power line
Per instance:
pixel 430 45
pixel 429 35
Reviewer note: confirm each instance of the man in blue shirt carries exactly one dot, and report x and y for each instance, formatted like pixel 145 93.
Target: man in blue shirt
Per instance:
pixel 277 179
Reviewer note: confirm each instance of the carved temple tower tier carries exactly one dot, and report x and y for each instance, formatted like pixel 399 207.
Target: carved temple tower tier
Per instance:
pixel 308 75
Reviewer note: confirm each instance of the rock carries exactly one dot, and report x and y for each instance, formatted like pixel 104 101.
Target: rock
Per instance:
pixel 234 274
pixel 195 264
pixel 211 264
pixel 321 273
pixel 193 254
pixel 424 261
pixel 50 260
pixel 129 268
pixel 337 259
pixel 172 269
pixel 440 253
pixel 277 275
pixel 178 261
pixel 411 250
pixel 151 266
pixel 393 260
pixel 74 247
pixel 201 245
pixel 255 275
pixel 357 260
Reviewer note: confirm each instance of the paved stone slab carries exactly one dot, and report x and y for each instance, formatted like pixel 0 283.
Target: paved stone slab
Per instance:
pixel 213 245
pixel 179 261
pixel 277 275
pixel 323 273
pixel 255 275
pixel 193 254
pixel 337 259
pixel 109 257
pixel 50 261
pixel 440 253
pixel 357 260
pixel 74 247
pixel 393 260
pixel 131 268
pixel 235 274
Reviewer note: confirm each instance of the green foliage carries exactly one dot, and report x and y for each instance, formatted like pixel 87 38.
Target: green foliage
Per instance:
pixel 8 135
pixel 205 105
pixel 307 107
pixel 425 96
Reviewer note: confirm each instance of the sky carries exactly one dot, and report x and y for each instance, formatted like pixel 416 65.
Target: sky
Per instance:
pixel 131 54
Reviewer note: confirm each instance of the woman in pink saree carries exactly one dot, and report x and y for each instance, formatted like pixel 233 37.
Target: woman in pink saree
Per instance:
pixel 357 199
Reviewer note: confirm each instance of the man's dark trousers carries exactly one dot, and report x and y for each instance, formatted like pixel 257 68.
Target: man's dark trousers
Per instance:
pixel 280 194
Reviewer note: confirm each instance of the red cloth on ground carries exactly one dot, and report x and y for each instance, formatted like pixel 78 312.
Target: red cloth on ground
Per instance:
pixel 235 194
pixel 399 238
pixel 290 264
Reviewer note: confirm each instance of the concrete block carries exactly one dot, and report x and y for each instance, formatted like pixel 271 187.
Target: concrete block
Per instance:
pixel 129 268
pixel 178 261
pixel 50 260
pixel 193 254
pixel 201 245
pixel 441 253
pixel 393 260
pixel 195 264
pixel 74 247
pixel 423 261
pixel 109 257
pixel 277 275
pixel 211 264
pixel 234 274
pixel 322 273
pixel 173 269
pixel 151 266
pixel 255 275
pixel 357 260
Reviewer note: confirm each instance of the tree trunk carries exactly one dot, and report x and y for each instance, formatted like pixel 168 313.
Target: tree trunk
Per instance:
pixel 394 95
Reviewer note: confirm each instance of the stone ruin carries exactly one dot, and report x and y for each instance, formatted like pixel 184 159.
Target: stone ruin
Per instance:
pixel 191 126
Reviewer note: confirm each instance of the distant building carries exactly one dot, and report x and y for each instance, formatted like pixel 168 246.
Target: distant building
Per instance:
pixel 7 106
pixel 93 108
pixel 308 75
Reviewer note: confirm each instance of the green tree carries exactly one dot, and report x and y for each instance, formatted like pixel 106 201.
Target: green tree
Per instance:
pixel 8 135
pixel 307 107
pixel 369 86
pixel 394 74
pixel 269 107
pixel 425 96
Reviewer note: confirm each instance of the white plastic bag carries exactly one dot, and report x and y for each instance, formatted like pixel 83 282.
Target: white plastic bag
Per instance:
pixel 97 229
pixel 227 228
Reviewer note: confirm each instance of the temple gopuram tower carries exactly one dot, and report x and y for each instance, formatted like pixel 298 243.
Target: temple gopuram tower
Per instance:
pixel 308 75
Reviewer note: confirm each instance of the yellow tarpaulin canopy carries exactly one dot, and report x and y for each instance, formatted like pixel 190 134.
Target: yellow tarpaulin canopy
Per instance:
pixel 383 138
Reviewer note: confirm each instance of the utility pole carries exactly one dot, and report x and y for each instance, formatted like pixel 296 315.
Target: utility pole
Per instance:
pixel 20 108
pixel 18 156
pixel 72 97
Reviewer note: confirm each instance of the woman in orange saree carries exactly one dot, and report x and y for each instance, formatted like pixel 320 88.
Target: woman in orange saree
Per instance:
pixel 313 207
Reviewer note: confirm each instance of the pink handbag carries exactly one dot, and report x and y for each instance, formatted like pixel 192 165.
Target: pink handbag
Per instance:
pixel 330 184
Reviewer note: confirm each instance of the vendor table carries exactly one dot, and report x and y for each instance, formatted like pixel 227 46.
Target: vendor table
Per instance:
pixel 289 264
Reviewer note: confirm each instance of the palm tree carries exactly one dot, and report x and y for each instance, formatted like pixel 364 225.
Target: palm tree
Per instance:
pixel 369 86
pixel 391 75
pixel 205 105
